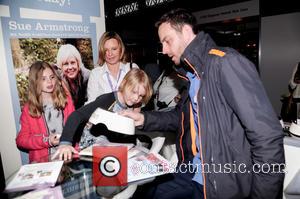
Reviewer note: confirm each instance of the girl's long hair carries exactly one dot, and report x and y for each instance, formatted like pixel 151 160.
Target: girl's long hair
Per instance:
pixel 35 100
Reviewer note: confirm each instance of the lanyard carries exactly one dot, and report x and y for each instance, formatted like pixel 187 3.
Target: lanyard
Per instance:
pixel 110 82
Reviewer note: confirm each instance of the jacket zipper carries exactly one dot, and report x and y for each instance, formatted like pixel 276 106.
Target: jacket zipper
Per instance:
pixel 48 133
pixel 181 136
pixel 199 131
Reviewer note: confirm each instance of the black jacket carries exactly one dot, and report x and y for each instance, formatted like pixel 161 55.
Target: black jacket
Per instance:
pixel 238 126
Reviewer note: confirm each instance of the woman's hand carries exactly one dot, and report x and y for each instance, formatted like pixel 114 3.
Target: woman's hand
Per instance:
pixel 64 152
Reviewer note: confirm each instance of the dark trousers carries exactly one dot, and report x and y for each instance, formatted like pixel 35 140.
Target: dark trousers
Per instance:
pixel 171 186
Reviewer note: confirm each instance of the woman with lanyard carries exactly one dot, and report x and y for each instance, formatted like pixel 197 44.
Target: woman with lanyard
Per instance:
pixel 112 66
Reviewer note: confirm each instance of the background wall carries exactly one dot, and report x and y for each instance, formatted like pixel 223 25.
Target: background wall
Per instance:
pixel 74 13
pixel 279 53
pixel 10 156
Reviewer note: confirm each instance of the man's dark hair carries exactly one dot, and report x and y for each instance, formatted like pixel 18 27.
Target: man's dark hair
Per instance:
pixel 177 18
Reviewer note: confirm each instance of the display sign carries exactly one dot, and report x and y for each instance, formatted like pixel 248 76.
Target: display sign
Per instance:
pixel 136 6
pixel 33 30
pixel 233 11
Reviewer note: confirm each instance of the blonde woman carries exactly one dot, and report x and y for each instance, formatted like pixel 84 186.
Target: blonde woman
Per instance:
pixel 112 66
pixel 45 113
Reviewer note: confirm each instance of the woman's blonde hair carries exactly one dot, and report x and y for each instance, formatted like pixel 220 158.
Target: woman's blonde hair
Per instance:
pixel 64 52
pixel 35 99
pixel 136 77
pixel 101 51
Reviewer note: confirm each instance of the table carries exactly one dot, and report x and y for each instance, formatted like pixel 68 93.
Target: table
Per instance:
pixel 75 180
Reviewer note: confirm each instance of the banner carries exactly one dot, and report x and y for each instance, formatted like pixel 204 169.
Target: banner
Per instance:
pixel 34 30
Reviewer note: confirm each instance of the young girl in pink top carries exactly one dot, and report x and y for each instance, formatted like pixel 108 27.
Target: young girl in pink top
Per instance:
pixel 45 113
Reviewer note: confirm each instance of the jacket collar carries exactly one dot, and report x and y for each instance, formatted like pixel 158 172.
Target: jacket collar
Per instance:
pixel 122 68
pixel 196 54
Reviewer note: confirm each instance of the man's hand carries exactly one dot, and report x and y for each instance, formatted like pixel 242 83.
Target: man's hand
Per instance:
pixel 137 117
pixel 64 152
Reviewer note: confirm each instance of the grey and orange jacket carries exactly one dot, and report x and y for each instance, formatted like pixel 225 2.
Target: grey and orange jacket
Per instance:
pixel 239 130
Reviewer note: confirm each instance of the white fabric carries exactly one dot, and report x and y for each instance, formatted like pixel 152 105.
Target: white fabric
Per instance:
pixel 293 85
pixel 98 83
pixel 157 144
pixel 127 193
pixel 167 87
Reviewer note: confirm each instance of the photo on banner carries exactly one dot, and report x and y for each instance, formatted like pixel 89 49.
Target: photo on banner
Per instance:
pixel 25 51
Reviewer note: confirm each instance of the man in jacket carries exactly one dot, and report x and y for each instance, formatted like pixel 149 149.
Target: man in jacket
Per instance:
pixel 227 129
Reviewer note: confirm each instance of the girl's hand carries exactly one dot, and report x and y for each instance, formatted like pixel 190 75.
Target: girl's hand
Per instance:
pixel 64 152
pixel 54 139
